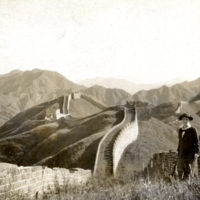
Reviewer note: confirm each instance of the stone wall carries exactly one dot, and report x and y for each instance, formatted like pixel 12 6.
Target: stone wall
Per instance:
pixel 178 110
pixel 98 105
pixel 66 103
pixel 98 159
pixel 162 165
pixel 33 181
pixel 128 135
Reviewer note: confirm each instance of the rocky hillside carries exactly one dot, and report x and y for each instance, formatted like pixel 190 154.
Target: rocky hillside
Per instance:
pixel 185 91
pixel 22 90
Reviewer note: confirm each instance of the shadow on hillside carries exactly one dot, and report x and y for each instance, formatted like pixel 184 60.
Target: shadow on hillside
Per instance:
pixel 119 117
pixel 87 159
pixel 77 155
pixel 113 108
pixel 71 122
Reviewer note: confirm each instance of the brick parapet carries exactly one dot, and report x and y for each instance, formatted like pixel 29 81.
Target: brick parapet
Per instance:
pixel 31 180
pixel 127 135
pixel 162 164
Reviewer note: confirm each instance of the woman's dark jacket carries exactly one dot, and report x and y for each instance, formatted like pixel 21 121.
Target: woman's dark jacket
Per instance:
pixel 188 142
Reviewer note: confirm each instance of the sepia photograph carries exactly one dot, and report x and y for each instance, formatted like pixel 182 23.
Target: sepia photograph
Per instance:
pixel 99 100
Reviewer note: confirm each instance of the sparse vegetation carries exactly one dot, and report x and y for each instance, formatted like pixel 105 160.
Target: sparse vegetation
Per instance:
pixel 128 188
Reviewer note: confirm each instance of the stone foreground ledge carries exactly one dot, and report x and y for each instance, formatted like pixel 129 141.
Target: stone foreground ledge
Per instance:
pixel 35 180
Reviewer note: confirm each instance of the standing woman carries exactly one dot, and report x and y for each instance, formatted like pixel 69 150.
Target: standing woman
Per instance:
pixel 188 147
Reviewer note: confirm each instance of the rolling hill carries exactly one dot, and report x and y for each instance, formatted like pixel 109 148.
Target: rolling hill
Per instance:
pixel 80 108
pixel 28 139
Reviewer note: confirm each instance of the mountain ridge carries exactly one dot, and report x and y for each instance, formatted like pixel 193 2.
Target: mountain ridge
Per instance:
pixel 23 90
pixel 108 96
pixel 126 85
pixel 184 91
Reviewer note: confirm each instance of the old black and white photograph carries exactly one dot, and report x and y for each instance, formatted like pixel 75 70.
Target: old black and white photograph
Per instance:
pixel 99 100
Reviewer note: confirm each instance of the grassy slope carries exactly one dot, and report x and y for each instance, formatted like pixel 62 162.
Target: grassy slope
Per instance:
pixel 81 108
pixel 154 136
pixel 63 137
pixel 21 119
pixel 14 148
pixel 34 141
pixel 2 121
pixel 81 154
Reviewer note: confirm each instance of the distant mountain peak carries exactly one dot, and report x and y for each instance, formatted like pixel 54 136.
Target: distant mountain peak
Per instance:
pixel 16 71
pixel 38 70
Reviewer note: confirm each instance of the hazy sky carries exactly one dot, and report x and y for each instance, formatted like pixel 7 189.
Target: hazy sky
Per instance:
pixel 145 41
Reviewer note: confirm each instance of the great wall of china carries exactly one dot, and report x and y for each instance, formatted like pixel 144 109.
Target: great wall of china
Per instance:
pixel 113 144
pixel 126 136
pixel 65 109
pixel 66 105
pixel 95 103
pixel 37 179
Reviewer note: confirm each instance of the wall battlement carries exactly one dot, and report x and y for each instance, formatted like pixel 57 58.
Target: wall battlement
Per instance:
pixel 113 144
pixel 162 165
pixel 127 135
pixel 98 170
pixel 16 180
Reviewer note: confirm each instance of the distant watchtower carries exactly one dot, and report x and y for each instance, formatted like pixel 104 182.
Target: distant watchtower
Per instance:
pixel 76 95
pixel 53 111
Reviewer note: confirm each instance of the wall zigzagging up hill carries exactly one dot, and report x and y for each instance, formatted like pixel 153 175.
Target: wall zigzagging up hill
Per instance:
pixel 97 160
pixel 68 102
pixel 113 144
pixel 127 136
pixel 31 180
pixel 98 105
